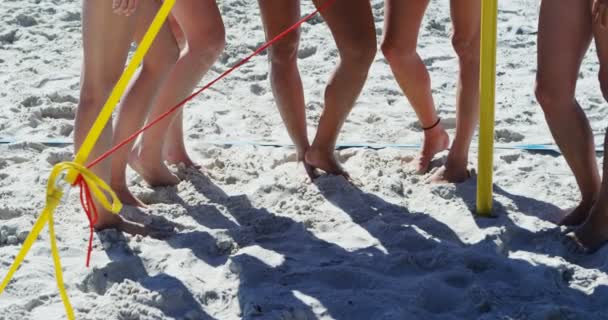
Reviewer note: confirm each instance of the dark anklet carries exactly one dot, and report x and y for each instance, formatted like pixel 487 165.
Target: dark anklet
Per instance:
pixel 433 126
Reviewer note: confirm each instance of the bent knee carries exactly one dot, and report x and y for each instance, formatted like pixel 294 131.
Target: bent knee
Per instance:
pixel 92 97
pixel 551 98
pixel 360 55
pixel 207 46
pixel 161 60
pixel 394 52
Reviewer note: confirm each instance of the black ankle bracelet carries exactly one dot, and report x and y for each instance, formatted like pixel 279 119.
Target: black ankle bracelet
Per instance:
pixel 433 126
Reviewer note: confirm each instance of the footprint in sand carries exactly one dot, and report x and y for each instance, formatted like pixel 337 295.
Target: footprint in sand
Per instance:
pixel 70 16
pixel 307 52
pixel 437 297
pixel 257 89
pixel 9 38
pixel 31 101
pixel 56 156
pixel 99 280
pixel 506 136
pixel 58 112
pixel 26 21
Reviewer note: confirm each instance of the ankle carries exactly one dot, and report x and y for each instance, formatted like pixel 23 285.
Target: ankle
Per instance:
pixel 431 126
pixel 118 184
pixel 602 202
pixel 437 131
pixel 589 199
pixel 321 148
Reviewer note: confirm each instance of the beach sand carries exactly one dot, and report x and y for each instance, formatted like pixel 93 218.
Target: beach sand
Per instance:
pixel 256 239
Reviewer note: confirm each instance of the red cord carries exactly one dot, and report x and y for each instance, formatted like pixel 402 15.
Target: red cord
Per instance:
pixel 86 199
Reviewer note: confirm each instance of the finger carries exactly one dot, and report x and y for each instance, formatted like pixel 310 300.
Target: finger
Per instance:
pixel 595 12
pixel 132 7
pixel 594 9
pixel 115 4
pixel 124 6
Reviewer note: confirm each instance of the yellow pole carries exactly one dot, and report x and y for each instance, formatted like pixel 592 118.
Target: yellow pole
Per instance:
pixel 489 15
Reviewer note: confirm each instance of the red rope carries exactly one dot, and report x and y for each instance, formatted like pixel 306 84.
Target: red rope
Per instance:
pixel 86 199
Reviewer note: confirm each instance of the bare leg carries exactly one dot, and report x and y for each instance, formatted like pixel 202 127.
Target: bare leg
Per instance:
pixel 201 22
pixel 106 40
pixel 140 95
pixel 278 15
pixel 356 43
pixel 565 27
pixel 466 19
pixel 174 151
pixel 402 25
pixel 593 234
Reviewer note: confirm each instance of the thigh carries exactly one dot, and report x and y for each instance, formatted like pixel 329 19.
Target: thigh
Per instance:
pixel 278 15
pixel 601 42
pixel 199 18
pixel 164 49
pixel 402 21
pixel 466 18
pixel 106 42
pixel 564 36
pixel 351 23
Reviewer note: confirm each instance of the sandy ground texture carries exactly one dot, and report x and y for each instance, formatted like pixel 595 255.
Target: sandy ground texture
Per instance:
pixel 256 239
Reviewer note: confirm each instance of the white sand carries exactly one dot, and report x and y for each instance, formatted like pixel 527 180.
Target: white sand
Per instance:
pixel 256 240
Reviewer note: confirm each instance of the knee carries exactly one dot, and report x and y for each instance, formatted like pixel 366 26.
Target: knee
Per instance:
pixel 205 48
pixel 286 50
pixel 92 97
pixel 548 97
pixel 360 55
pixel 395 52
pixel 161 61
pixel 467 48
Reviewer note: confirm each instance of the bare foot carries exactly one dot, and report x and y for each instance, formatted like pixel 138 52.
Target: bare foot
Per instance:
pixel 311 171
pixel 435 141
pixel 177 157
pixel 113 221
pixel 155 174
pixel 593 234
pixel 126 197
pixel 326 161
pixel 578 215
pixel 448 174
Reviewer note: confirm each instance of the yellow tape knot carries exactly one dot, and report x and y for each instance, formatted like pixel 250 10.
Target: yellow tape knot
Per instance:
pixel 99 189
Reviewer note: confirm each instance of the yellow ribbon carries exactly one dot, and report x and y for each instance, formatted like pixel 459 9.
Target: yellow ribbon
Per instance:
pixel 67 172
pixel 54 195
